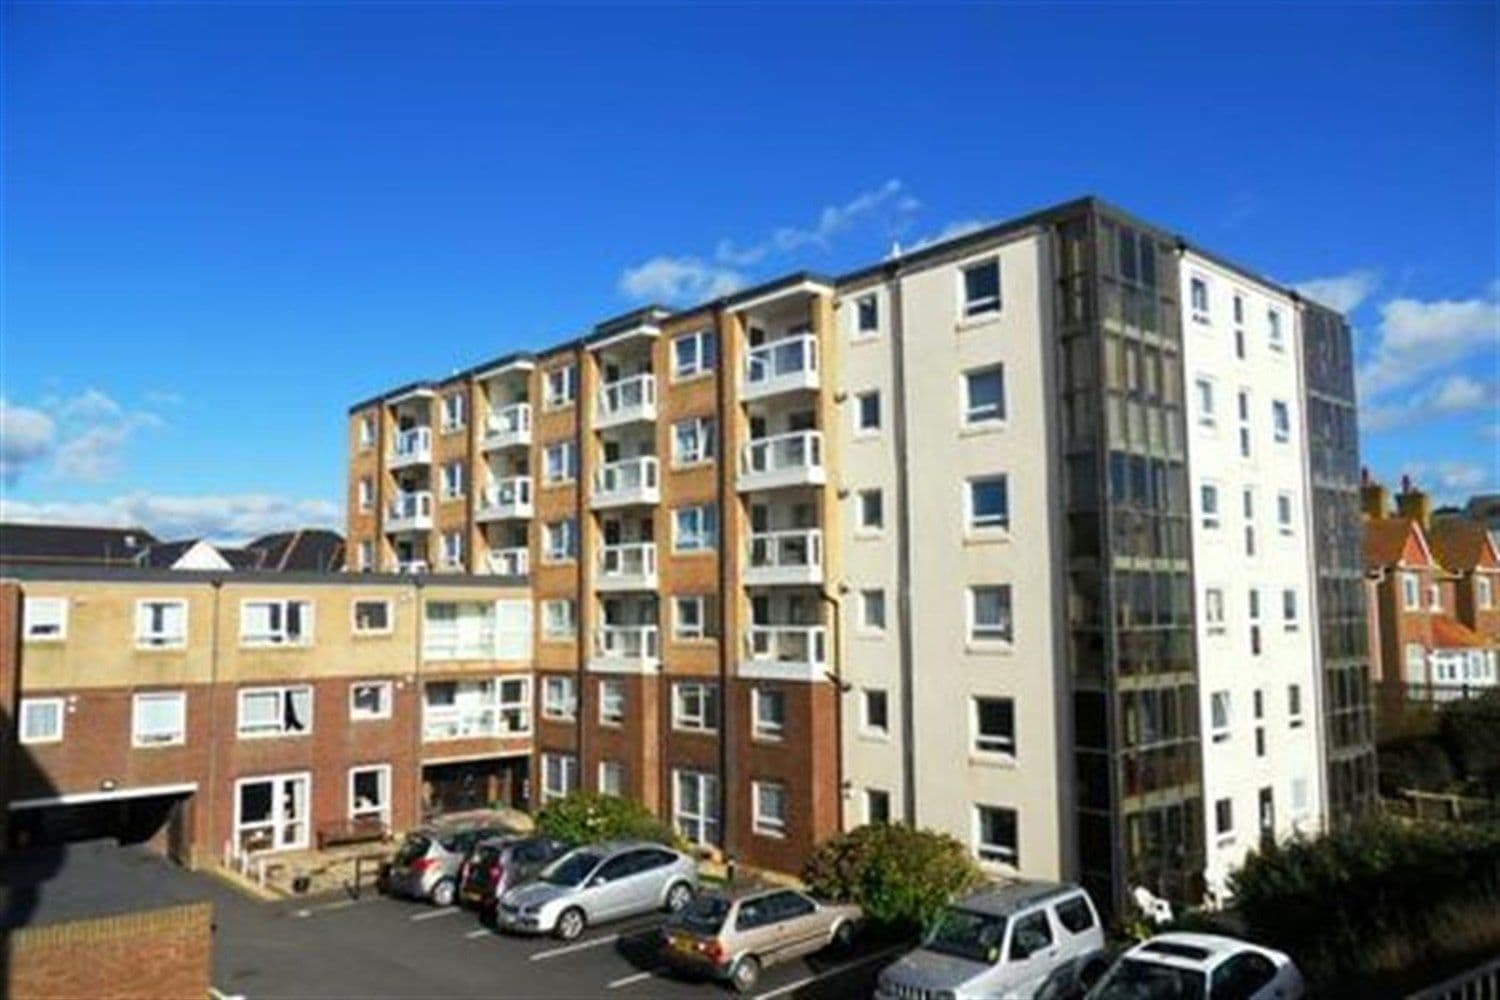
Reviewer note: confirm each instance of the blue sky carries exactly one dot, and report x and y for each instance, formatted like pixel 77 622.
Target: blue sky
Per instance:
pixel 225 223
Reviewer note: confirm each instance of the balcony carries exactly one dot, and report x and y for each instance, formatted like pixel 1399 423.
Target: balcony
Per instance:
pixel 507 498
pixel 627 567
pixel 785 652
pixel 785 557
pixel 409 512
pixel 510 562
pixel 625 401
pixel 784 365
pixel 628 481
pixel 625 649
pixel 413 446
pixel 508 426
pixel 412 566
pixel 794 459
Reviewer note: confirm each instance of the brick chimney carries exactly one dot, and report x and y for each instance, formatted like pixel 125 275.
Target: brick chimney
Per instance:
pixel 1413 503
pixel 1372 498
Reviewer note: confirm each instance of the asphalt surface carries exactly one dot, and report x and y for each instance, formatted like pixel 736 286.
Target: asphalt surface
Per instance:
pixel 373 946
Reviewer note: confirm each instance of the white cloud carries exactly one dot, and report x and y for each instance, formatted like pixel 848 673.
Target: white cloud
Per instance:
pixel 679 279
pixel 952 231
pixel 1442 397
pixel 1458 393
pixel 1417 337
pixel 163 397
pixel 229 518
pixel 1447 481
pixel 91 404
pixel 1342 292
pixel 26 436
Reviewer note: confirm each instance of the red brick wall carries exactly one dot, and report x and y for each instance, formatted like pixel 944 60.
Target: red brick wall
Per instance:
pixel 155 953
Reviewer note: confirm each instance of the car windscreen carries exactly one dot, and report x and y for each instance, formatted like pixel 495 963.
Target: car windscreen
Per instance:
pixel 415 846
pixel 571 869
pixel 1133 979
pixel 967 934
pixel 704 915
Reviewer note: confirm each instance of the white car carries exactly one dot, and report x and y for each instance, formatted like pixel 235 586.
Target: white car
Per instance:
pixel 1200 967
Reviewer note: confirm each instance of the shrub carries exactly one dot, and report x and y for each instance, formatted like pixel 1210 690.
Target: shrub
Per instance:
pixel 1470 731
pixel 901 876
pixel 585 817
pixel 1414 764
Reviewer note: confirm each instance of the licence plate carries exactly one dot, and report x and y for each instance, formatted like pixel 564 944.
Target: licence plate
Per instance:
pixel 684 944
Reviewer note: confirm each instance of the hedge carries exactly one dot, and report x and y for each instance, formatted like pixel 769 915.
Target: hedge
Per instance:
pixel 900 875
pixel 586 817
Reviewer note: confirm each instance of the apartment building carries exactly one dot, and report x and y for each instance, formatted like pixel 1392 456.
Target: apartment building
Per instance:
pixel 247 712
pixel 930 541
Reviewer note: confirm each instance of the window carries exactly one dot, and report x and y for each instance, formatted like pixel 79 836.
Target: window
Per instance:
pixel 866 316
pixel 560 541
pixel 1239 344
pixel 1299 796
pixel 370 700
pixel 995 835
pixel 1075 915
pixel 1484 592
pixel 453 480
pixel 1434 598
pixel 276 623
pixel 561 386
pixel 366 556
pixel 875 712
pixel 995 726
pixel 981 288
pixel 770 808
pixel 271 813
pixel 370 793
pixel 872 610
pixel 694 353
pixel 46 619
pixel 695 806
pixel 158 719
pixel 1224 820
pixel 559 619
pixel 1031 934
pixel 41 720
pixel 1416 662
pixel 1281 421
pixel 1289 609
pixel 453 549
pixel 867 413
pixel 1243 399
pixel 1198 296
pixel 611 702
pixel 1248 503
pixel 768 714
pixel 1204 386
pixel 1273 330
pixel 161 624
pixel 453 412
pixel 366 493
pixel 1294 705
pixel 1213 610
pixel 694 529
pixel 693 441
pixel 560 463
pixel 1219 718
pixel 871 510
pixel 1284 513
pixel 366 433
pixel 1239 308
pixel 692 620
pixel 1254 596
pixel 989 504
pixel 695 707
pixel 989 614
pixel 1208 502
pixel 559 775
pixel 275 711
pixel 559 698
pixel 877 805
pixel 984 396
pixel 611 778
pixel 372 617
pixel 1411 592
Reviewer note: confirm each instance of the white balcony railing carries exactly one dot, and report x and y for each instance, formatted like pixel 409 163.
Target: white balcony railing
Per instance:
pixel 411 565
pixel 514 561
pixel 458 641
pixel 409 512
pixel 626 566
pixel 628 481
pixel 788 652
pixel 412 446
pixel 631 645
pixel 794 459
pixel 626 399
pixel 509 497
pixel 785 557
pixel 781 366
pixel 509 425
pixel 456 723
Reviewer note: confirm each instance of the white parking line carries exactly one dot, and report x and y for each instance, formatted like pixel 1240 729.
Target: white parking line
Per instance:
pixel 446 911
pixel 852 964
pixel 631 979
pixel 580 946
pixel 218 994
pixel 482 932
pixel 342 904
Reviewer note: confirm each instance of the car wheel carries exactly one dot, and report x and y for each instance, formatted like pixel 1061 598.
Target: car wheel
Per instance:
pixel 445 892
pixel 843 934
pixel 570 923
pixel 745 974
pixel 680 895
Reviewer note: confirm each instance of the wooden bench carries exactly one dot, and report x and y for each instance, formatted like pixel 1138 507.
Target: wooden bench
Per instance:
pixel 353 831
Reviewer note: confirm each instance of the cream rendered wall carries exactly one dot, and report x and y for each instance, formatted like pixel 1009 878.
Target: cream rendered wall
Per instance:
pixel 1231 768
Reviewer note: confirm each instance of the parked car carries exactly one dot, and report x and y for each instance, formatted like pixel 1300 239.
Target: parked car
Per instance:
pixel 1017 939
pixel 733 937
pixel 497 864
pixel 1183 966
pixel 597 883
pixel 427 863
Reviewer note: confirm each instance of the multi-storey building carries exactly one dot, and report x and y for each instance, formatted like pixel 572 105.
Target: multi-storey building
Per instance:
pixel 1023 535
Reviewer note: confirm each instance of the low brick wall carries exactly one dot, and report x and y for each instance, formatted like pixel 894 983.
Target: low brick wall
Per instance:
pixel 163 953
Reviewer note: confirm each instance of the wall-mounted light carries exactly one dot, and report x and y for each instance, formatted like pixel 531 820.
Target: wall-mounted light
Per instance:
pixel 107 785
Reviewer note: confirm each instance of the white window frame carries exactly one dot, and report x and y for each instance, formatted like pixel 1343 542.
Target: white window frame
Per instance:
pixel 366 491
pixel 283 691
pixel 453 412
pixel 866 727
pixel 993 526
pixel 31 606
pixel 857 329
pixel 971 310
pixel 704 343
pixel 869 596
pixel 1220 731
pixel 868 799
pixel 861 525
pixel 991 746
pixel 381 811
pixel 860 428
pixel 1275 332
pixel 1211 520
pixel 995 853
pixel 387 695
pixel 453 480
pixel 453 549
pixel 175 738
pixel 275 823
pixel 1205 399
pixel 700 538
pixel 1294 706
pixel 366 556
pixel 708 796
pixel 366 433
pixel 1213 610
pixel 559 766
pixel 612 695
pixel 1224 835
pixel 1285 513
pixel 1281 421
pixel 550 628
pixel 390 616
pixel 1411 592
pixel 705 717
pixel 161 641
pixel 568 470
pixel 559 386
pixel 1484 592
pixel 280 638
pixel 764 823
pixel 559 698
pixel 566 531
pixel 762 728
pixel 1434 597
pixel 972 624
pixel 28 705
pixel 1198 283
pixel 705 434
pixel 1290 602
pixel 981 417
pixel 690 633
pixel 608 768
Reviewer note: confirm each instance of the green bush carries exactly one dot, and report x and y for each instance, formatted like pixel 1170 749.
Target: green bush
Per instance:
pixel 1419 764
pixel 586 817
pixel 1470 731
pixel 901 876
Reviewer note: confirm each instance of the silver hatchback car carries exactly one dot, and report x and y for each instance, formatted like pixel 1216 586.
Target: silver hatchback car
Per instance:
pixel 598 883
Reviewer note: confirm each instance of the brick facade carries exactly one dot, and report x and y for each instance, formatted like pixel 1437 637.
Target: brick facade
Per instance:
pixel 155 953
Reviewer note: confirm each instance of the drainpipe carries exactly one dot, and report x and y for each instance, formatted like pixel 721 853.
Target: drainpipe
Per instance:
pixel 723 371
pixel 903 550
pixel 418 626
pixel 839 690
pixel 216 584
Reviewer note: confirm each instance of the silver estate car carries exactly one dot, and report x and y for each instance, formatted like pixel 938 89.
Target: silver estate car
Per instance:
pixel 598 883
pixel 1018 939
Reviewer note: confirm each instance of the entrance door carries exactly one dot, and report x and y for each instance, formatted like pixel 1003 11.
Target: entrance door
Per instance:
pixel 270 813
pixel 1267 816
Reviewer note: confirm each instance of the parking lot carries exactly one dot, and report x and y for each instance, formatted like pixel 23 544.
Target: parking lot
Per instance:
pixel 376 946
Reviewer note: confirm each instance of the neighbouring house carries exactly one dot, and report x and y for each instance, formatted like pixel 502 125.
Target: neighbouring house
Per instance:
pixel 304 550
pixel 72 544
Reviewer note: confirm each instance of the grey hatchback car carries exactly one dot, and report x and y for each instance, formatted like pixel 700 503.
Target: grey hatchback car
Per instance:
pixel 598 883
pixel 426 865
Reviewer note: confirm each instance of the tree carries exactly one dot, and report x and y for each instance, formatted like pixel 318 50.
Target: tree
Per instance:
pixel 586 817
pixel 900 875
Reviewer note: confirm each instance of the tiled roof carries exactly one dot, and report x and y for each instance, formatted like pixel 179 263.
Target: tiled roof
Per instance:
pixel 1448 633
pixel 1459 544
pixel 71 543
pixel 1385 540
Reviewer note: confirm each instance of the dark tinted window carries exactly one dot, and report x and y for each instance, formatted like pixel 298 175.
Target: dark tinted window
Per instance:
pixel 754 913
pixel 655 858
pixel 1075 915
pixel 620 866
pixel 705 914
pixel 1031 934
